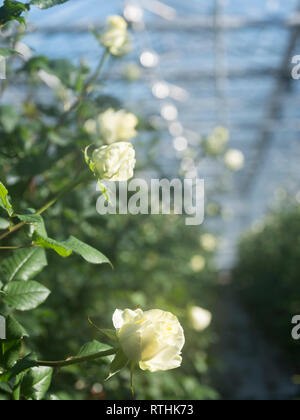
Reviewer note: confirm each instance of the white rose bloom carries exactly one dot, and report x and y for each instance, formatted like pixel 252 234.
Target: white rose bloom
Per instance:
pixel 234 159
pixel 115 162
pixel 154 339
pixel 118 125
pixel 200 318
pixel 115 36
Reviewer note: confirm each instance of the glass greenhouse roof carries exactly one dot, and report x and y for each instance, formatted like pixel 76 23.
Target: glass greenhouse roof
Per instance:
pixel 230 64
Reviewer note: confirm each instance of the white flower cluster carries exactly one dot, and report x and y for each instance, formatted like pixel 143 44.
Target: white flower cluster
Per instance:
pixel 115 36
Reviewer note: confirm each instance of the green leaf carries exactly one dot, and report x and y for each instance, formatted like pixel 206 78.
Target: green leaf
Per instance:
pixel 119 362
pixel 65 248
pixel 14 330
pixel 109 336
pixel 88 253
pixel 35 220
pixel 30 218
pixel 46 4
pixel 17 387
pixel 36 383
pixel 9 117
pixel 36 63
pixel 7 52
pixel 66 72
pixel 59 247
pixel 5 387
pixel 40 237
pixel 9 353
pixel 92 348
pixel 4 200
pixel 21 365
pixel 24 264
pixel 12 10
pixel 25 296
pixel 11 347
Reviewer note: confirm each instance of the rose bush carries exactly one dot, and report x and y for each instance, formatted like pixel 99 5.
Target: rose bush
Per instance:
pixel 47 200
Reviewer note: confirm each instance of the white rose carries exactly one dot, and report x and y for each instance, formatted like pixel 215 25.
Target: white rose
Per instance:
pixel 115 36
pixel 132 72
pixel 90 126
pixel 200 318
pixel 217 140
pixel 197 263
pixel 234 159
pixel 208 242
pixel 115 162
pixel 154 339
pixel 118 125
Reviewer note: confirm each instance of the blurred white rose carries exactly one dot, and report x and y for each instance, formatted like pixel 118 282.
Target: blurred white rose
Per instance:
pixel 200 318
pixel 217 141
pixel 115 36
pixel 118 125
pixel 208 242
pixel 90 126
pixel 115 162
pixel 234 159
pixel 132 72
pixel 197 263
pixel 154 339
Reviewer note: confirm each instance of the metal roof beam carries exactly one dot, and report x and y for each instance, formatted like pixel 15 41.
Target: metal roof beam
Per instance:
pixel 275 106
pixel 186 24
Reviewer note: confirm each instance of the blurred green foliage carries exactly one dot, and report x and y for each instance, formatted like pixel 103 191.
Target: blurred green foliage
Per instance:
pixel 267 275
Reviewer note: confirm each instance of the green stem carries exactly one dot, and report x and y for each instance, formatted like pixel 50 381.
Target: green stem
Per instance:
pixel 77 360
pixel 17 247
pixel 132 367
pixel 12 230
pixel 98 70
pixel 84 93
pixel 84 177
pixel 18 36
